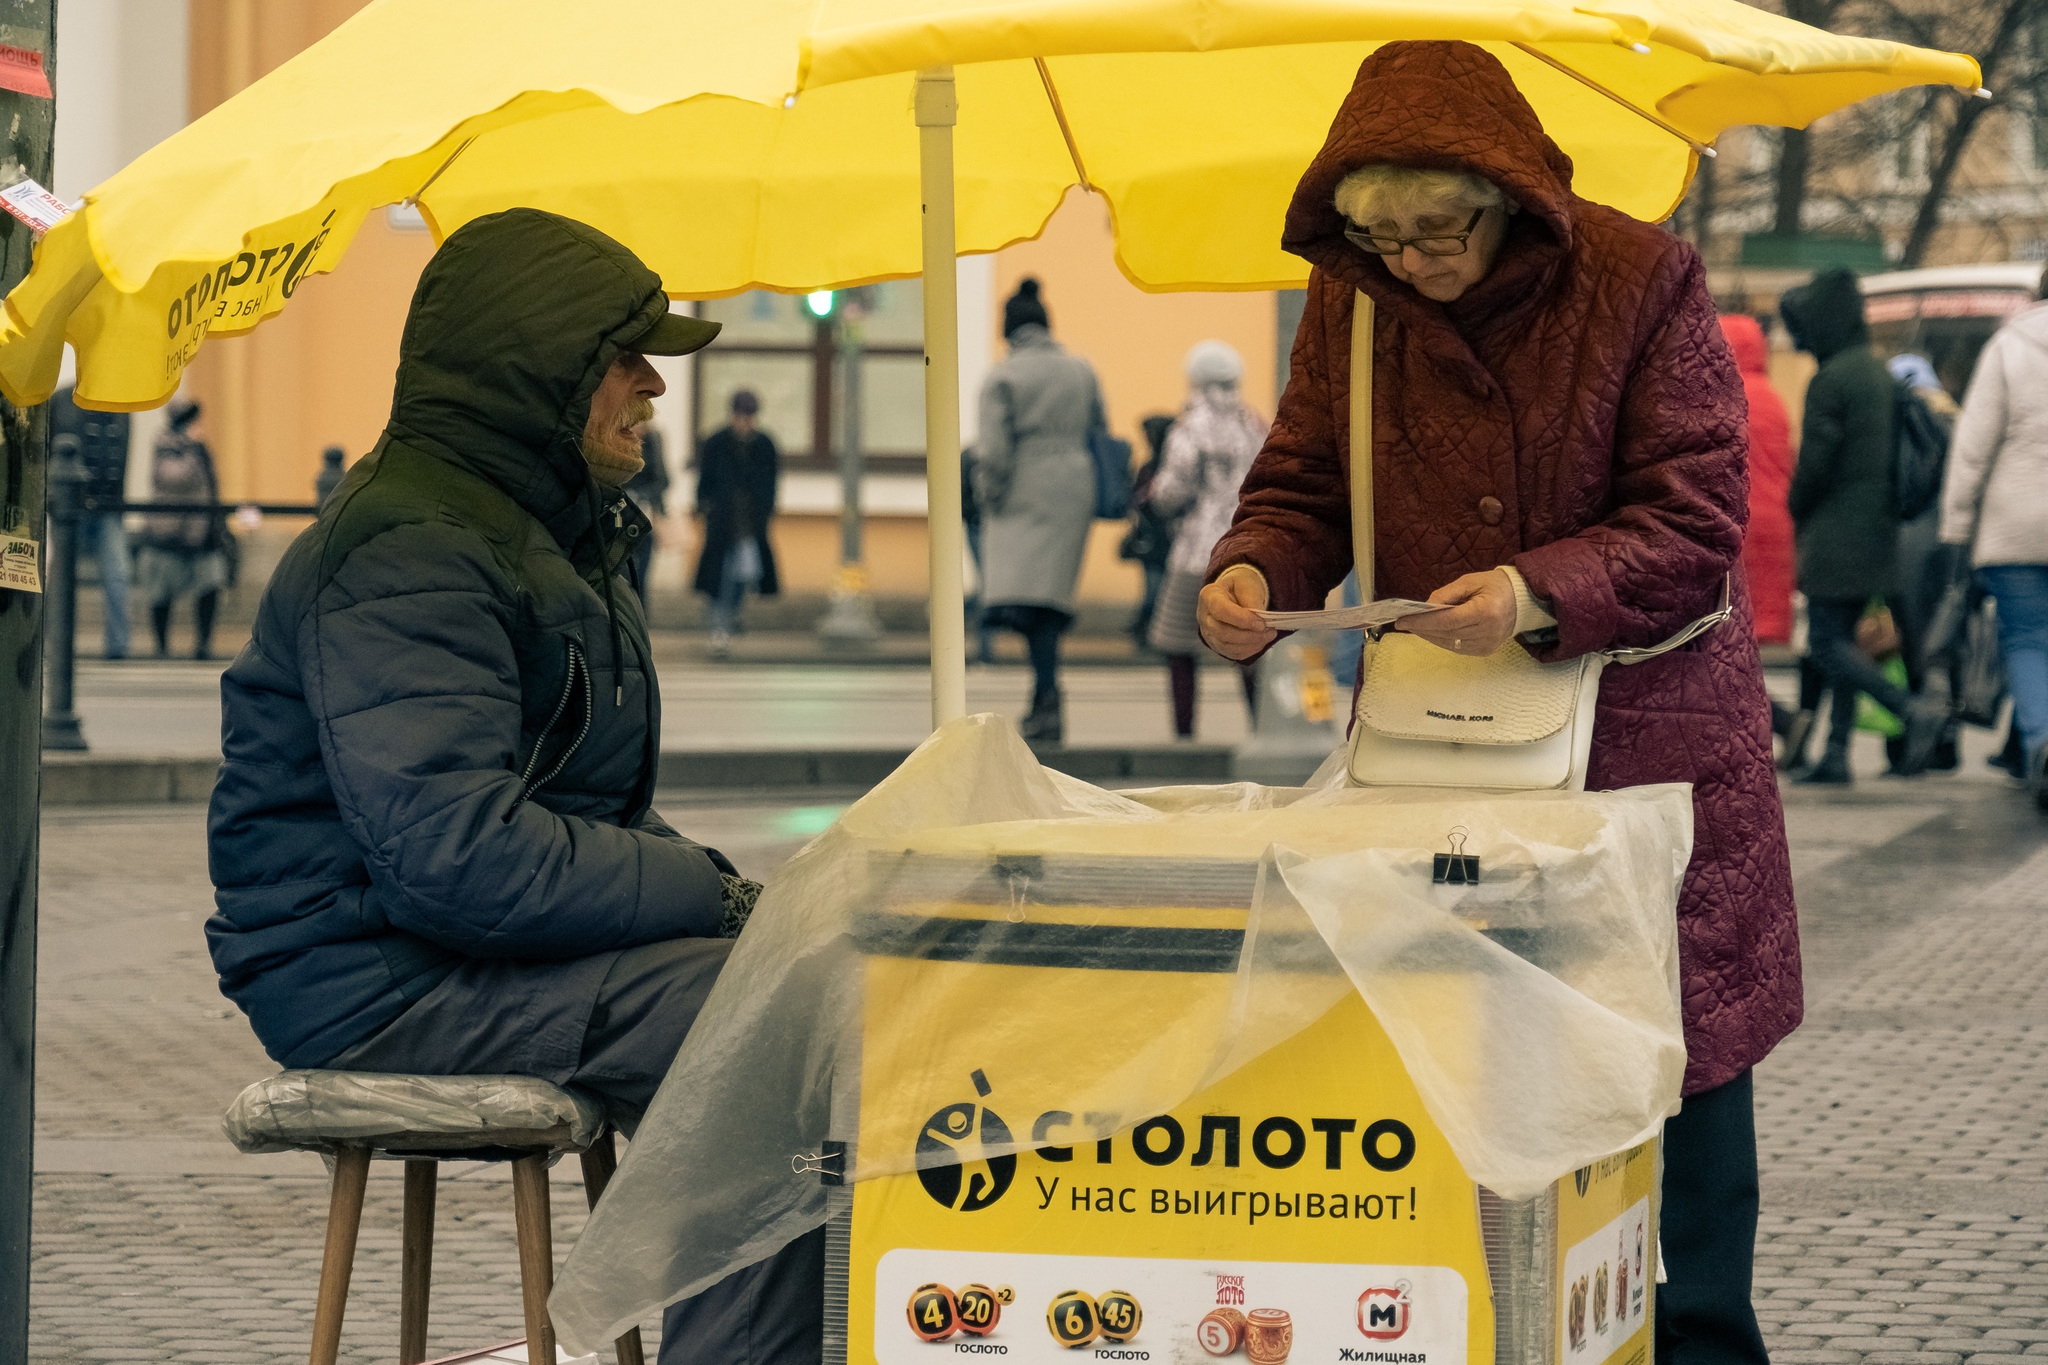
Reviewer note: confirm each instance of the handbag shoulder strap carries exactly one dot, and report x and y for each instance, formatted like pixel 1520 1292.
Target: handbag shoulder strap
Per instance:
pixel 1685 636
pixel 1362 550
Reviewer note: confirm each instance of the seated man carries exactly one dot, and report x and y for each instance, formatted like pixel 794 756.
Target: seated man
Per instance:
pixel 431 841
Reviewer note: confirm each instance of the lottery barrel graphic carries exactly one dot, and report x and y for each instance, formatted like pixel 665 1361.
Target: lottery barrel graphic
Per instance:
pixel 1120 1314
pixel 1221 1331
pixel 981 1308
pixel 1072 1319
pixel 934 1312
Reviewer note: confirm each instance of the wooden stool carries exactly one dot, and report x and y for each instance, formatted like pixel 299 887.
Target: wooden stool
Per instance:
pixel 423 1120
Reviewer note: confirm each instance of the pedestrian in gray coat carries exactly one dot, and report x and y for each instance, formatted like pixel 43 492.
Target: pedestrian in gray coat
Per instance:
pixel 1846 515
pixel 1035 482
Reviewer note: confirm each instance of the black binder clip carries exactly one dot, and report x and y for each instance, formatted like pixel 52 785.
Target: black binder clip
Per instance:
pixel 1456 868
pixel 830 1164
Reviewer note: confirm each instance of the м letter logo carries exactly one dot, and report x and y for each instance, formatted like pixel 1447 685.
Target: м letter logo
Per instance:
pixel 1383 1311
pixel 951 1145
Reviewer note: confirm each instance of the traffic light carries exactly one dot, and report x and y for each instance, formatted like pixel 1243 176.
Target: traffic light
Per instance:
pixel 823 303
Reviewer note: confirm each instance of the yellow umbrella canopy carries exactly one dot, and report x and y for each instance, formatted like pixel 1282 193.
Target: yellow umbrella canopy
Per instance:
pixel 771 145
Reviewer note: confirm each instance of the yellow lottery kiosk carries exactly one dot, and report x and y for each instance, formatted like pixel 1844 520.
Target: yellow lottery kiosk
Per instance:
pixel 1302 1208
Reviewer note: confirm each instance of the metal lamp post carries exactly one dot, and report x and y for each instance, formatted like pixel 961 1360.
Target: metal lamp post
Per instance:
pixel 31 121
pixel 850 617
pixel 60 637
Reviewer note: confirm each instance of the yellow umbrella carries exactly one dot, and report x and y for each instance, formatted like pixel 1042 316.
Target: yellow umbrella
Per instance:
pixel 769 145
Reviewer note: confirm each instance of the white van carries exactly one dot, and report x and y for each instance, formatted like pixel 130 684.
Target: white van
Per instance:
pixel 1947 313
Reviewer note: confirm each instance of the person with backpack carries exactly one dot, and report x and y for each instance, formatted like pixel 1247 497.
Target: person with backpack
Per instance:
pixel 1924 420
pixel 1845 507
pixel 184 554
pixel 1994 499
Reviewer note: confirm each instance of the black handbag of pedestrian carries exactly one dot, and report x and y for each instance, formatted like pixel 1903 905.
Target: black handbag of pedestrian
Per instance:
pixel 1919 451
pixel 1112 459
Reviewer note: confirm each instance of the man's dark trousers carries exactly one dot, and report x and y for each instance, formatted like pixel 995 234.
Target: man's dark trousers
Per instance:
pixel 1707 1231
pixel 611 1024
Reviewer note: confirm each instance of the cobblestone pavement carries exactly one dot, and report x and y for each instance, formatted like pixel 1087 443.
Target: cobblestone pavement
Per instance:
pixel 154 1240
pixel 1906 1205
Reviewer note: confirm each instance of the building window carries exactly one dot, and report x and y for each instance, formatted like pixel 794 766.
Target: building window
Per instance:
pixel 773 346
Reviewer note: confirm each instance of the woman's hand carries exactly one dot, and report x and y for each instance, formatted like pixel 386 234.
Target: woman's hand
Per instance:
pixel 1226 613
pixel 1480 620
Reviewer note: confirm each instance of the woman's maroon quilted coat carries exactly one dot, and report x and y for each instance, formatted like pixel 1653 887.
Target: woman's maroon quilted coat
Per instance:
pixel 1577 415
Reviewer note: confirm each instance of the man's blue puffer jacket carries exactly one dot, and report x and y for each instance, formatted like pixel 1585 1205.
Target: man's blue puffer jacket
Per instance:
pixel 441 740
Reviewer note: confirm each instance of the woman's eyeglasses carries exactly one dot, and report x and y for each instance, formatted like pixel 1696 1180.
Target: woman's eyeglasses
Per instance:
pixel 1451 244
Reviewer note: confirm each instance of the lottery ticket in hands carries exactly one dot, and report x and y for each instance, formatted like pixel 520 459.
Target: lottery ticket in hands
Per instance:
pixel 1380 613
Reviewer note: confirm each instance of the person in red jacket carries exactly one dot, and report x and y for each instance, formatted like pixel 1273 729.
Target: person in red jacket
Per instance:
pixel 1767 547
pixel 1559 451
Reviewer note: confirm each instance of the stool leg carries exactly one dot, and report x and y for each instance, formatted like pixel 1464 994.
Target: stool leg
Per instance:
pixel 532 1216
pixel 416 1274
pixel 599 1163
pixel 338 1259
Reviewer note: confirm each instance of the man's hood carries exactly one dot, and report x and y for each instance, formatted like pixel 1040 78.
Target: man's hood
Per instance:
pixel 1433 106
pixel 1746 339
pixel 1826 315
pixel 514 323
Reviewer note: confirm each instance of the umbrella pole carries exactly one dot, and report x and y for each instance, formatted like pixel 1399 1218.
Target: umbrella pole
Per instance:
pixel 937 111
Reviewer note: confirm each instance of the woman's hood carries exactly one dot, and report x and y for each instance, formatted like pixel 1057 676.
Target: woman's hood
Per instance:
pixel 1746 339
pixel 1826 316
pixel 1433 106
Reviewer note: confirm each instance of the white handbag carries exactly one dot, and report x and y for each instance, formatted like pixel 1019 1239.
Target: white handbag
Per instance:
pixel 1429 718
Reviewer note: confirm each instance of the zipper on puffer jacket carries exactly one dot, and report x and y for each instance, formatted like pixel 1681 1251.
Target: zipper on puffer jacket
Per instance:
pixel 579 671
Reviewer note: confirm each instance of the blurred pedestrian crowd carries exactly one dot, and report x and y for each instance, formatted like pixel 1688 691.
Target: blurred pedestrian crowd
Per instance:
pixel 1901 538
pixel 1914 531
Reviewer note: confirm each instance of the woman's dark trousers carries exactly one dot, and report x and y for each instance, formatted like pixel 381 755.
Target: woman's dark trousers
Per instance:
pixel 1708 1231
pixel 1831 641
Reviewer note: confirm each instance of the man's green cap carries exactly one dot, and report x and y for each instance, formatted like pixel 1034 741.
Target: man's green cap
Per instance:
pixel 676 334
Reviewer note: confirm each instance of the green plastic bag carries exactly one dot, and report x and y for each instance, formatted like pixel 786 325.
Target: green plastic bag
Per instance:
pixel 1871 716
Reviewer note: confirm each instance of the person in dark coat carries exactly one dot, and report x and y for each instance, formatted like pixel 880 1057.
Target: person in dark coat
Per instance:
pixel 103 449
pixel 1551 398
pixel 431 841
pixel 649 491
pixel 1846 512
pixel 329 477
pixel 1150 539
pixel 738 467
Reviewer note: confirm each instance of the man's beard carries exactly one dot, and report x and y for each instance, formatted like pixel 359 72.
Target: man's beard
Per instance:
pixel 614 465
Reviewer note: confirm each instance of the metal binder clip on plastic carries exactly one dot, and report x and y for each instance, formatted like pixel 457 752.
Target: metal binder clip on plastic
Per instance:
pixel 830 1164
pixel 1456 868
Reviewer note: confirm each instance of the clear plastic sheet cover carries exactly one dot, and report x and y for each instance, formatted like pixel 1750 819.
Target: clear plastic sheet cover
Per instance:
pixel 1538 1010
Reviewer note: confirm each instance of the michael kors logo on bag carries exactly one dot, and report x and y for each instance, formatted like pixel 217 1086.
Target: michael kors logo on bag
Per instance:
pixel 1445 715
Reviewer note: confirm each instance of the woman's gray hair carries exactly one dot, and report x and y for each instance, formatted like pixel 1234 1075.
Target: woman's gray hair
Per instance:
pixel 1372 193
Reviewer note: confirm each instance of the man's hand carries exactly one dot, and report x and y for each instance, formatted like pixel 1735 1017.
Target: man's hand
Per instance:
pixel 1227 613
pixel 1480 620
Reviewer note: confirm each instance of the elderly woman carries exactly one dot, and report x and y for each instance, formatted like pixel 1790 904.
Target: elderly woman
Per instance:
pixel 1558 454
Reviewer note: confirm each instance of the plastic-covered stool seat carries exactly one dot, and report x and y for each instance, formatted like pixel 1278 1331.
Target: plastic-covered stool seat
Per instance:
pixel 352 1117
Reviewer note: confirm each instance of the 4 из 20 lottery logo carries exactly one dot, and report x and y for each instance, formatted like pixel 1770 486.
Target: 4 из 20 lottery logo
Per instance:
pixel 952 1164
